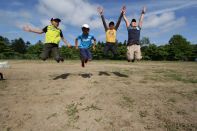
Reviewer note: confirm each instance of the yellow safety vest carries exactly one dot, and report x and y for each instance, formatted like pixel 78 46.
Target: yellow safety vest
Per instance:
pixel 52 35
pixel 111 36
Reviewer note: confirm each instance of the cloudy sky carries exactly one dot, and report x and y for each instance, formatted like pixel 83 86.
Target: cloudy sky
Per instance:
pixel 162 20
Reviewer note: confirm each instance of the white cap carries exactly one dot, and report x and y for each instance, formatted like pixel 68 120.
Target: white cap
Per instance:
pixel 85 26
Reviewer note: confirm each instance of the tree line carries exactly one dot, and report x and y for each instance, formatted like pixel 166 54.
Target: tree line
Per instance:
pixel 178 48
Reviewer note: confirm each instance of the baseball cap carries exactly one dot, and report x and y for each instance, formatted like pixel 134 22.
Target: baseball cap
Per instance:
pixel 55 19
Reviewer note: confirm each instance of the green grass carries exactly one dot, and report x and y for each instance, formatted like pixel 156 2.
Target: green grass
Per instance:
pixel 127 102
pixel 91 107
pixel 72 113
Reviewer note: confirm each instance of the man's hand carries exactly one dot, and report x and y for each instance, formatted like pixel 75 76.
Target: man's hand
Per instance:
pixel 76 47
pixel 94 48
pixel 144 10
pixel 69 45
pixel 123 10
pixel 100 10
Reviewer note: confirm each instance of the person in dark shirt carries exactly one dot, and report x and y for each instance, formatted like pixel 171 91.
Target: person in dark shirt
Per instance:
pixel 52 39
pixel 133 44
pixel 110 32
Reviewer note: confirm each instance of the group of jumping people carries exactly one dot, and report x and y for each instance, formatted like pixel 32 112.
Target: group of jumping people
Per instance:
pixel 53 35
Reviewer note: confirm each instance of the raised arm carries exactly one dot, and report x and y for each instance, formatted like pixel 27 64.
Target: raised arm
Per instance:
pixel 142 17
pixel 100 11
pixel 125 18
pixel 120 17
pixel 29 29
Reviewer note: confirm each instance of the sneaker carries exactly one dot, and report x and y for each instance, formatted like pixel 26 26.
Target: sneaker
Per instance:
pixel 82 64
pixel 62 60
pixel 129 60
pixel 133 60
pixel 58 61
pixel 86 61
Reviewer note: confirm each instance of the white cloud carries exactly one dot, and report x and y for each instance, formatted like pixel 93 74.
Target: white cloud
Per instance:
pixel 163 23
pixel 72 12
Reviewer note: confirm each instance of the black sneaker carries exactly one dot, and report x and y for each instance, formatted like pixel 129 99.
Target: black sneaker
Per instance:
pixel 133 60
pixel 129 60
pixel 83 64
pixel 86 61
pixel 62 60
pixel 58 61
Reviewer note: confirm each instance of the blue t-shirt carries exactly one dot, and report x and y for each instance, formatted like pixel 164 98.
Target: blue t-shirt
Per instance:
pixel 85 40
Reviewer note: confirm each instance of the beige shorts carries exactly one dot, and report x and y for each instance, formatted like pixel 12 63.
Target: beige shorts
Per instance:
pixel 134 51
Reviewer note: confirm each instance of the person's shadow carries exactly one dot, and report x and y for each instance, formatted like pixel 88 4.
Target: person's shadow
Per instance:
pixel 103 73
pixel 86 75
pixel 119 74
pixel 62 76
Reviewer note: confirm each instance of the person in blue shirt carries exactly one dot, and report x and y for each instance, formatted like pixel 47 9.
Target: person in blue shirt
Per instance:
pixel 86 41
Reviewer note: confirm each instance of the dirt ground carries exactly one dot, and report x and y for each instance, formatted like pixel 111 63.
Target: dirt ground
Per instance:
pixel 104 96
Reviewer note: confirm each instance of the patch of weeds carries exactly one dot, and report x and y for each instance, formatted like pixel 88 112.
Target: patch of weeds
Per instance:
pixel 195 92
pixel 153 78
pixel 127 102
pixel 177 126
pixel 174 125
pixel 3 84
pixel 52 115
pixel 8 129
pixel 179 77
pixel 143 113
pixel 92 107
pixel 98 119
pixel 95 82
pixel 72 113
pixel 143 81
pixel 181 112
pixel 83 97
pixel 173 100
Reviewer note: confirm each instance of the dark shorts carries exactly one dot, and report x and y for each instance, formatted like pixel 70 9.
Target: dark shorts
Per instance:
pixel 85 54
pixel 110 47
pixel 48 49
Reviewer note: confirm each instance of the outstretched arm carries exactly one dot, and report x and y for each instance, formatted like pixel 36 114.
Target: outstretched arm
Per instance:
pixel 125 19
pixel 142 17
pixel 29 29
pixel 120 17
pixel 100 11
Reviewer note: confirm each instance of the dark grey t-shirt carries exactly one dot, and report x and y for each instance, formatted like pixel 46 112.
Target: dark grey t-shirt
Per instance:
pixel 133 35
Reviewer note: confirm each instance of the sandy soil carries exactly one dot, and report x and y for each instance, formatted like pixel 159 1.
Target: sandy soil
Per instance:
pixel 104 96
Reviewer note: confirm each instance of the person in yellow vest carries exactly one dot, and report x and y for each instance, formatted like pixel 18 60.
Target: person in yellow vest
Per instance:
pixel 110 32
pixel 52 39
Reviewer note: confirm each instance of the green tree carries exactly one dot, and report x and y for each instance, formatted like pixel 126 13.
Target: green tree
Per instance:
pixel 18 45
pixel 179 48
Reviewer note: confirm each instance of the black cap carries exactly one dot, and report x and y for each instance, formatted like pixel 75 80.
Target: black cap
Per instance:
pixel 133 20
pixel 55 19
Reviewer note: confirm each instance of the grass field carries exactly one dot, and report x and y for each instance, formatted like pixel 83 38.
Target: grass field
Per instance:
pixel 104 96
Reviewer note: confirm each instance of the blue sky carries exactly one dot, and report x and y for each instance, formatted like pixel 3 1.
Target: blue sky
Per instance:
pixel 162 20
